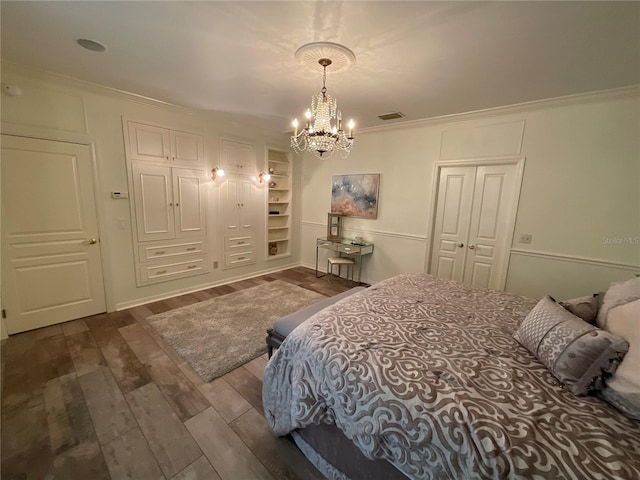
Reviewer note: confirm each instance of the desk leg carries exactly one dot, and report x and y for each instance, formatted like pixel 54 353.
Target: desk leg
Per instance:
pixel 317 262
pixel 359 267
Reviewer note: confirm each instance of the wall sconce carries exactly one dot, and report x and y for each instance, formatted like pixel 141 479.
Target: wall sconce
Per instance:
pixel 263 177
pixel 217 172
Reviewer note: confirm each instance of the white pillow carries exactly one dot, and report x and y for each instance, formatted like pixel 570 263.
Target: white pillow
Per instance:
pixel 623 388
pixel 618 293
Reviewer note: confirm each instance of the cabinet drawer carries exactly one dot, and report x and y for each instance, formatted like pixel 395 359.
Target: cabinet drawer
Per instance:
pixel 237 259
pixel 164 251
pixel 151 273
pixel 235 243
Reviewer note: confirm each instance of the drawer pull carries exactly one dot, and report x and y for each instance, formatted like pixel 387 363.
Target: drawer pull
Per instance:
pixel 190 249
pixel 241 258
pixel 160 252
pixel 161 272
pixel 191 267
pixel 240 243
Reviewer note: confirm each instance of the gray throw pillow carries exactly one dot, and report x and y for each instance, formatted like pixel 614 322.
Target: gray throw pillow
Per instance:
pixel 584 307
pixel 578 354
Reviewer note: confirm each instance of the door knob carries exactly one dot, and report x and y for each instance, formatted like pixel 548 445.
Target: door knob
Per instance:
pixel 461 244
pixel 90 241
pixel 472 246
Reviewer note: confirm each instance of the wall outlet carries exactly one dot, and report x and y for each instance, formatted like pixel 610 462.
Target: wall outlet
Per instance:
pixel 525 238
pixel 215 264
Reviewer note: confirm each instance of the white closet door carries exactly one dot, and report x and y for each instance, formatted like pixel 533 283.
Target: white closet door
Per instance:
pixel 51 264
pixel 189 197
pixel 455 196
pixel 493 204
pixel 153 202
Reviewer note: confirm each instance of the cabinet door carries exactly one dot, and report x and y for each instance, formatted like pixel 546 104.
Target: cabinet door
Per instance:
pixel 153 202
pixel 186 148
pixel 149 143
pixel 248 206
pixel 189 202
pixel 239 207
pixel 231 206
pixel 238 157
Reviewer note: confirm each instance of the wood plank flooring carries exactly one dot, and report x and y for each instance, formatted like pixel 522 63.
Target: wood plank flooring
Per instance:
pixel 105 397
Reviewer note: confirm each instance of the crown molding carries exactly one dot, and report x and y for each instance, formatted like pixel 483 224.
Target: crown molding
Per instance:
pixel 579 98
pixel 36 75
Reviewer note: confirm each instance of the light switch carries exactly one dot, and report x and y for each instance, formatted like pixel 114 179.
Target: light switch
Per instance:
pixel 121 224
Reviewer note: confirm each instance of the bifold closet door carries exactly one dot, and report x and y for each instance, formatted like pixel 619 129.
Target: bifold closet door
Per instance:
pixel 471 238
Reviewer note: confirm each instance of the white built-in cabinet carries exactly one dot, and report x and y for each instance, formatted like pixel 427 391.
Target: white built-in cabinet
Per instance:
pixel 168 178
pixel 239 200
pixel 239 203
pixel 279 204
pixel 237 157
pixel 162 145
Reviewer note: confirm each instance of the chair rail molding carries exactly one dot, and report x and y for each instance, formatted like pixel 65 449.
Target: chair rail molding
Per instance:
pixel 575 259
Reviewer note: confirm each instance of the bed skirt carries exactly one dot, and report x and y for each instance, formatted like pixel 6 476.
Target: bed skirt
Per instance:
pixel 338 458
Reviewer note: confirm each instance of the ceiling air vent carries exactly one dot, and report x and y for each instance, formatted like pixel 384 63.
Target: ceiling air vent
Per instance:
pixel 391 116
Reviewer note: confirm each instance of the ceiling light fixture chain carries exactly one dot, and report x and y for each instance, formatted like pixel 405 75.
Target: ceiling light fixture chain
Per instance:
pixel 323 133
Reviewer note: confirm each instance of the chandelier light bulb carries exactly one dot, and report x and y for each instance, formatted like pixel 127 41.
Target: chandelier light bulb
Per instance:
pixel 295 127
pixel 351 125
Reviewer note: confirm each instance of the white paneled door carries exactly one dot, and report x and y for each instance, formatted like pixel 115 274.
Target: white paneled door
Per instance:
pixel 475 210
pixel 51 265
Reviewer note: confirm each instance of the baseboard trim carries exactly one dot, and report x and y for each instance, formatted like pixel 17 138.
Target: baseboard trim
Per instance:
pixel 184 291
pixel 575 259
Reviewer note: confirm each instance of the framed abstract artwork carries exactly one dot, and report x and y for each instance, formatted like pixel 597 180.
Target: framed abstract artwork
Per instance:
pixel 355 195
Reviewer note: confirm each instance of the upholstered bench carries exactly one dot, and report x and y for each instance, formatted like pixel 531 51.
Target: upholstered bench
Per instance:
pixel 285 325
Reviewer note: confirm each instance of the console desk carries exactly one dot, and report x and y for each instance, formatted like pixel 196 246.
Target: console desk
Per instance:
pixel 346 247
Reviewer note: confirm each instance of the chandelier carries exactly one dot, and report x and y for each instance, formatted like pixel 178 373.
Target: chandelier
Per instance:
pixel 323 132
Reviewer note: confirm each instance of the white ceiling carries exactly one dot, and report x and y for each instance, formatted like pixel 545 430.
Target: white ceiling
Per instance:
pixel 424 59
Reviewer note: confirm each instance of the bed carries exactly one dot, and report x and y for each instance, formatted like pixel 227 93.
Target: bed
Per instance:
pixel 424 375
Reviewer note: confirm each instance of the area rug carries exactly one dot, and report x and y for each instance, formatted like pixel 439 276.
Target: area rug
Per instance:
pixel 217 335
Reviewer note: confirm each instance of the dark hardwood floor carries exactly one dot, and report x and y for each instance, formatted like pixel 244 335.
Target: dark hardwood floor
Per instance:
pixel 105 397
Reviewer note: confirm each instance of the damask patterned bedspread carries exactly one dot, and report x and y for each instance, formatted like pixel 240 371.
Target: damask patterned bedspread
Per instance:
pixel 425 373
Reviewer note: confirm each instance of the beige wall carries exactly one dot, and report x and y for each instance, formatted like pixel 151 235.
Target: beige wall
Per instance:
pixel 580 193
pixel 59 108
pixel 581 186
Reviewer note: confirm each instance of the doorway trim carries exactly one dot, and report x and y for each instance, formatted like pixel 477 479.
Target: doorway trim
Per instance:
pixel 518 161
pixel 43 133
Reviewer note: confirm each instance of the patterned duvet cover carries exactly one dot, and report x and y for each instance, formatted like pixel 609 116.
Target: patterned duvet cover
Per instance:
pixel 425 373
